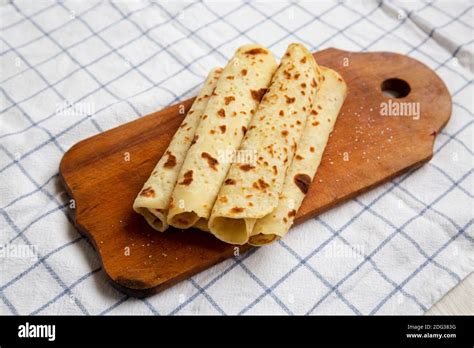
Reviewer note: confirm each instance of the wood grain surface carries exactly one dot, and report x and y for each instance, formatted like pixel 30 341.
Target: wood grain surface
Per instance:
pixel 104 173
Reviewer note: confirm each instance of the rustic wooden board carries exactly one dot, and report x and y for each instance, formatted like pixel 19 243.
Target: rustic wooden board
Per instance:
pixel 364 151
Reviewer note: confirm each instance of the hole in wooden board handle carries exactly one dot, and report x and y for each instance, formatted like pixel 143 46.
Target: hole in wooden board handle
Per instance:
pixel 395 88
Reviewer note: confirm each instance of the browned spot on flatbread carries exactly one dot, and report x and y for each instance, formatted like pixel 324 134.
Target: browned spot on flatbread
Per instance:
pixel 303 60
pixel 243 72
pixel 270 149
pixel 284 133
pixel 315 123
pixel 223 199
pixel 289 100
pixel 260 184
pixel 292 213
pixel 303 85
pixel 229 99
pixel 222 128
pixel 311 149
pixel 221 113
pixel 294 146
pixel 258 95
pixel 302 181
pixel 188 178
pixel 195 138
pixel 255 51
pixel 244 129
pixel 171 161
pixel 237 210
pixel 314 83
pixel 230 77
pixel 211 161
pixel 281 113
pixel 314 112
pixel 147 192
pixel 298 157
pixel 275 170
pixel 229 181
pixel 246 167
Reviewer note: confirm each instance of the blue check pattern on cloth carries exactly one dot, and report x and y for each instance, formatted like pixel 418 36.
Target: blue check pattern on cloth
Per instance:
pixel 72 69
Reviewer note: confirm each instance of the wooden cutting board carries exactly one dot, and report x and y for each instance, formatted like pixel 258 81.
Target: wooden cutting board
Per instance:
pixel 104 173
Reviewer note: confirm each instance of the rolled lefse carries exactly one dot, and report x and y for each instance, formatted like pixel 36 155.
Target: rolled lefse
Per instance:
pixel 251 190
pixel 154 199
pixel 239 90
pixel 319 125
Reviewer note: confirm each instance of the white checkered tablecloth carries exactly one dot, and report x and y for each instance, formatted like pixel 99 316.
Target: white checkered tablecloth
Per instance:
pixel 72 69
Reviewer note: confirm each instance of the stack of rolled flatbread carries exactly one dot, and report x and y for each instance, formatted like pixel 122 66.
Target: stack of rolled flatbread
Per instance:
pixel 244 156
